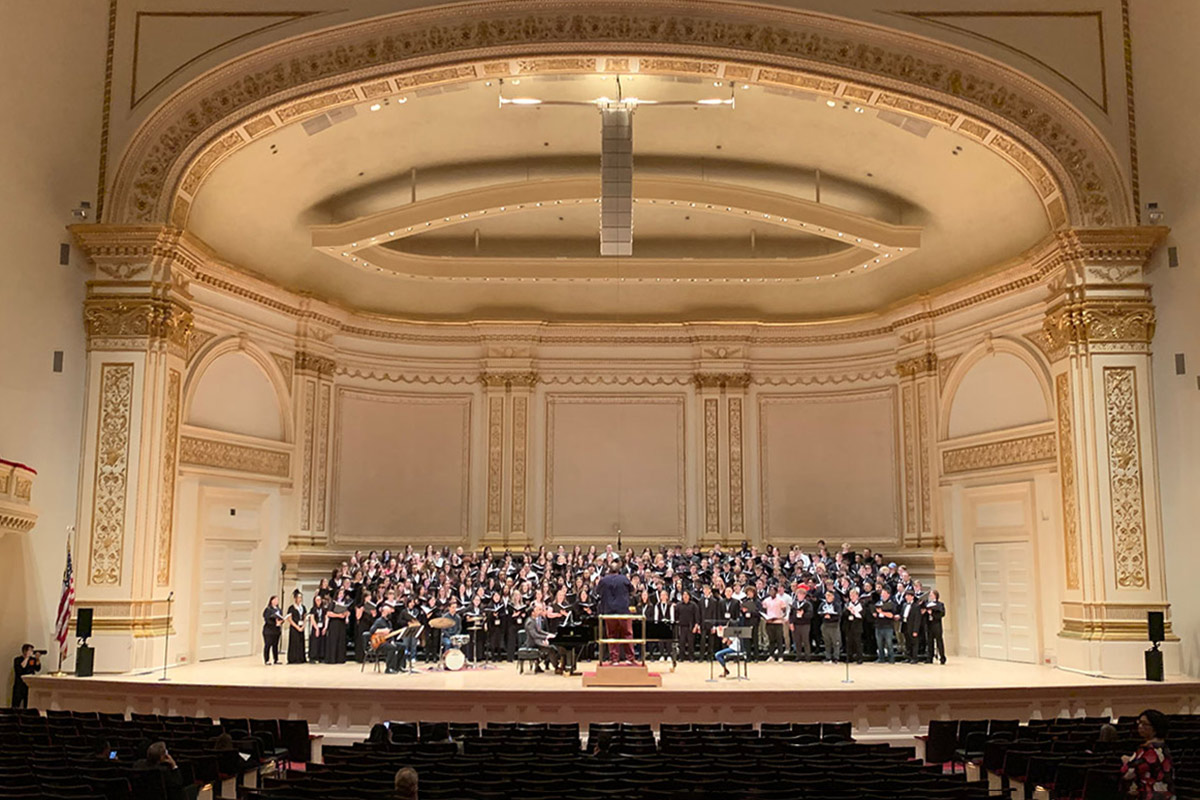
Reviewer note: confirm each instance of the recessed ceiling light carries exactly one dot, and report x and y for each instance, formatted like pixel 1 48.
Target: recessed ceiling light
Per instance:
pixel 858 110
pixel 831 103
pixel 516 81
pixel 375 106
pixel 401 99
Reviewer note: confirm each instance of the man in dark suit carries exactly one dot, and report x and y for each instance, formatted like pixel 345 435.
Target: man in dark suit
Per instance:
pixel 910 625
pixel 537 636
pixel 712 614
pixel 801 623
pixel 613 592
pixel 934 610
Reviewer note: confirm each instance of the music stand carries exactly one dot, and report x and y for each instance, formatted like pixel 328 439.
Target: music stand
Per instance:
pixel 741 632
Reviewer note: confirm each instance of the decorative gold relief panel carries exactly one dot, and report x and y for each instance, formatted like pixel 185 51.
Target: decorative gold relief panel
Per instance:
pixel 495 500
pixel 310 401
pixel 1125 477
pixel 520 435
pixel 166 508
pixel 910 457
pixel 1009 453
pixel 199 452
pixel 112 473
pixel 712 503
pixel 321 469
pixel 737 525
pixel 1066 471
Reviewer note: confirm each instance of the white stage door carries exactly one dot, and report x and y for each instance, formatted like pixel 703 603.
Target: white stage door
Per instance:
pixel 1004 589
pixel 227 607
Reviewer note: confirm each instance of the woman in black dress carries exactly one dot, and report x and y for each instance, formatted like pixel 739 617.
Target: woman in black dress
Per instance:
pixel 317 623
pixel 272 619
pixel 295 624
pixel 335 634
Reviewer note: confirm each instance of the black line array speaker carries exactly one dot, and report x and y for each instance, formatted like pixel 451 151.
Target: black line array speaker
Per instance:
pixel 1156 626
pixel 83 623
pixel 85 660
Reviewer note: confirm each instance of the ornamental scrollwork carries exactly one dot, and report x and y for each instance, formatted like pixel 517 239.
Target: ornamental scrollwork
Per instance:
pixel 123 323
pixel 1066 471
pixel 1125 477
pixel 722 380
pixel 993 455
pixel 111 474
pixel 239 458
pixel 310 363
pixel 924 364
pixel 509 380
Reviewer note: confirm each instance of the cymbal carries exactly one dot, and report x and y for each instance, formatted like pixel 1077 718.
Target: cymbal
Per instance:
pixel 441 623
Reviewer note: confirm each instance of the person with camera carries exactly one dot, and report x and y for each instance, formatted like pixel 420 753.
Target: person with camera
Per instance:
pixel 28 663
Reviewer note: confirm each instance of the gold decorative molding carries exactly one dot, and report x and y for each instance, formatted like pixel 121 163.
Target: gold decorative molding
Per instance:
pixel 994 455
pixel 166 506
pixel 910 457
pixel 197 452
pixel 16 491
pixel 722 380
pixel 1125 477
pixel 113 430
pixel 945 365
pixel 760 45
pixel 495 477
pixel 321 470
pixel 136 323
pixel 737 524
pixel 1112 621
pixel 196 343
pixel 712 503
pixel 286 366
pixel 924 364
pixel 923 445
pixel 1072 549
pixel 306 464
pixel 520 436
pixel 508 380
pixel 308 363
pixel 22 488
pixel 1102 324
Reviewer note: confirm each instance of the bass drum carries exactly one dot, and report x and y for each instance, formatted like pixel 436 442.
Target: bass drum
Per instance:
pixel 454 659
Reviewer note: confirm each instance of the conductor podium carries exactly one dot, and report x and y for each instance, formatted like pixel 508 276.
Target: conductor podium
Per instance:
pixel 625 674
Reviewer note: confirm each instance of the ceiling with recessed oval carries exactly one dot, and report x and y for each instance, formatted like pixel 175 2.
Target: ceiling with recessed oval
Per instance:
pixel 452 204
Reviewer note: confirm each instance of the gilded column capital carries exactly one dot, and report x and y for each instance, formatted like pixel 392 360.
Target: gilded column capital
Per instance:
pixel 1107 247
pixel 509 380
pixel 924 364
pixel 136 322
pixel 309 363
pixel 1099 324
pixel 722 380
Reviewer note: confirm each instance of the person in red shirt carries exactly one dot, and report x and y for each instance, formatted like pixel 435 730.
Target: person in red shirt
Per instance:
pixel 1149 774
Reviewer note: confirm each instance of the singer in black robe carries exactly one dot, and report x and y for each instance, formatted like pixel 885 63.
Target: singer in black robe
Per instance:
pixel 272 616
pixel 335 634
pixel 316 637
pixel 295 623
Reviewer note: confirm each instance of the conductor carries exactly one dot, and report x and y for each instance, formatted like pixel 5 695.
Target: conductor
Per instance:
pixel 613 590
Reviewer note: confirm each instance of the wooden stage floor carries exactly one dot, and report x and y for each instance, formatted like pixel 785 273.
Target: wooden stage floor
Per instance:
pixel 882 699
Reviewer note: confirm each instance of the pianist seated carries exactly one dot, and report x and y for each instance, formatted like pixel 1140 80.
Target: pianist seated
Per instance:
pixel 537 636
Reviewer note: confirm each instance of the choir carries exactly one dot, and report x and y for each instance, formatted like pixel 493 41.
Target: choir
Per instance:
pixel 845 605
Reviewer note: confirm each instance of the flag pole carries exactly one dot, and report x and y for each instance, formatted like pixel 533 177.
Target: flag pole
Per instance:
pixel 58 673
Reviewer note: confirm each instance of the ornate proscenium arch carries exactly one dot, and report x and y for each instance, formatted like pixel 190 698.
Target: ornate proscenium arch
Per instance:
pixel 1069 163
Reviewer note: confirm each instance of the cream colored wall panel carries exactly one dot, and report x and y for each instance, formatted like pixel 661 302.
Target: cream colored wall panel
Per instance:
pixel 615 460
pixel 999 391
pixel 234 395
pixel 829 466
pixel 401 466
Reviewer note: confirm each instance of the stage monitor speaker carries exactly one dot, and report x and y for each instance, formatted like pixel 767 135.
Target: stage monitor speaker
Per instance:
pixel 85 661
pixel 1154 665
pixel 83 623
pixel 1156 626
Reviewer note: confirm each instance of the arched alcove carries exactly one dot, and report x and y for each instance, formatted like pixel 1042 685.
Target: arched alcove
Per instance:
pixel 1000 387
pixel 233 393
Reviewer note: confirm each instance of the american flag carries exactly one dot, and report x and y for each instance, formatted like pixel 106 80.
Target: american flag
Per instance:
pixel 65 603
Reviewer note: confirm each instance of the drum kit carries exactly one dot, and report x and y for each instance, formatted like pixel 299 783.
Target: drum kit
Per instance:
pixel 454 658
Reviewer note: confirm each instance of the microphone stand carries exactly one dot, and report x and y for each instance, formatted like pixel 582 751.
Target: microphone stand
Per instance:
pixel 167 637
pixel 708 642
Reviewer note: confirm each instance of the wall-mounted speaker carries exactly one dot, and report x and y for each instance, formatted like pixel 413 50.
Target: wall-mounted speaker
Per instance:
pixel 1156 626
pixel 83 623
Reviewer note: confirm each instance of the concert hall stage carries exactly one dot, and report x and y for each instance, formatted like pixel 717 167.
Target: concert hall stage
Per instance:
pixel 883 700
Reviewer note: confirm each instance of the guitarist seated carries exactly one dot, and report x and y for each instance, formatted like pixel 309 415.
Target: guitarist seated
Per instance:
pixel 383 639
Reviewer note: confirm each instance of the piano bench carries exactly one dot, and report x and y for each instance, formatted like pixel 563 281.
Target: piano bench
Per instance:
pixel 527 654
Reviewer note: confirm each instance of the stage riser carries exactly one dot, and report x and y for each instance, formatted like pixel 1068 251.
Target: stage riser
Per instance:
pixel 352 711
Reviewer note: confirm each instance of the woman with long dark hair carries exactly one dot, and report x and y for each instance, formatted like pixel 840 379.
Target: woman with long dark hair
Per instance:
pixel 335 633
pixel 295 625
